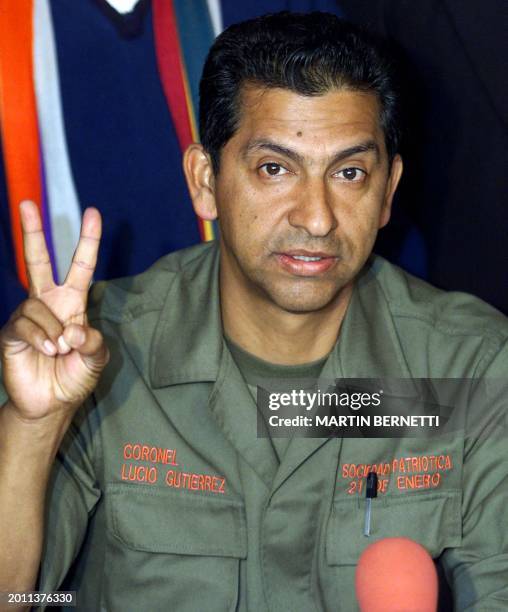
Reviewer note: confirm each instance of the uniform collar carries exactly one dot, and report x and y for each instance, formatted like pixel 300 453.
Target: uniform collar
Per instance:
pixel 187 343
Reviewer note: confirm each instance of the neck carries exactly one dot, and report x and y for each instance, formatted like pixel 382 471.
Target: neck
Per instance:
pixel 279 336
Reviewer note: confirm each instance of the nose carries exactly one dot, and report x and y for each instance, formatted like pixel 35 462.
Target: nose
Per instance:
pixel 313 211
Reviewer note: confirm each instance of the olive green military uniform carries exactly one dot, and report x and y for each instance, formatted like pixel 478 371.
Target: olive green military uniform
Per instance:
pixel 163 498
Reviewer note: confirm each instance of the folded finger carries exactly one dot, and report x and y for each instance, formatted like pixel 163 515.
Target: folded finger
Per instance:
pixel 90 344
pixel 23 332
pixel 35 310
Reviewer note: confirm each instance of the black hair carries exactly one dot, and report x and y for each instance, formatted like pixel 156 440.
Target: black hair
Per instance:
pixel 308 53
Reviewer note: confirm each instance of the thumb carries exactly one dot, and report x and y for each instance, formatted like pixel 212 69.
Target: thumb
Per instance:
pixel 89 343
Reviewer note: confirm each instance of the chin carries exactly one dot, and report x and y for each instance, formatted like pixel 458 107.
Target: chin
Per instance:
pixel 303 300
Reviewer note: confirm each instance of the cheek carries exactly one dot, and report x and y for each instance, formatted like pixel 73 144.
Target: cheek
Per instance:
pixel 242 224
pixel 250 217
pixel 359 223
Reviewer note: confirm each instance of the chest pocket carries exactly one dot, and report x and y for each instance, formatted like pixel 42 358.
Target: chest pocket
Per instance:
pixel 431 519
pixel 172 550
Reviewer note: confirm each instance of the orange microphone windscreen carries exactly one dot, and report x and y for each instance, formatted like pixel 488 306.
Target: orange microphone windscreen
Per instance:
pixel 396 575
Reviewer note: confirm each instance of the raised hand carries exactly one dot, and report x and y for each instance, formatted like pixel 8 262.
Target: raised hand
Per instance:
pixel 51 358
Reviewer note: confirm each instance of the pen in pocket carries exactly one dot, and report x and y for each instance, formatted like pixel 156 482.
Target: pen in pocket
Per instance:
pixel 370 493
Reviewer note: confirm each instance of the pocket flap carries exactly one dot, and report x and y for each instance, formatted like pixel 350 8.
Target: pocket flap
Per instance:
pixel 433 520
pixel 178 522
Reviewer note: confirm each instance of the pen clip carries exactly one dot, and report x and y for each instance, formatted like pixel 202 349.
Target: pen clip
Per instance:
pixel 371 486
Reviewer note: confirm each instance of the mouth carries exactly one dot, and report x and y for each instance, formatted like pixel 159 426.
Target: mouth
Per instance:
pixel 306 263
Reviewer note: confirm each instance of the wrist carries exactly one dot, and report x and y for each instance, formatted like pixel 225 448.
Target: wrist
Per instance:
pixel 44 433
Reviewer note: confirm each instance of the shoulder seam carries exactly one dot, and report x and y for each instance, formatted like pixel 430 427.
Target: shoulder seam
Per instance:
pixel 452 331
pixel 152 304
pixel 128 316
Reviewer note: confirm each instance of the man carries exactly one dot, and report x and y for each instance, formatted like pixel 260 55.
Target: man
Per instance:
pixel 161 495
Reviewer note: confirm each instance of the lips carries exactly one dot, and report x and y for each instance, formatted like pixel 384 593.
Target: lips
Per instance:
pixel 306 263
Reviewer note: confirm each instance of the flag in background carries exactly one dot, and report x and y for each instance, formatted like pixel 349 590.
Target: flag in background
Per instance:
pixel 97 102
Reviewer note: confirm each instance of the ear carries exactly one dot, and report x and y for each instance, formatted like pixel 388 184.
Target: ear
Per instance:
pixel 197 167
pixel 391 186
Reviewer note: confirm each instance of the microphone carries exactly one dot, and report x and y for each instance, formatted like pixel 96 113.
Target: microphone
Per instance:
pixel 396 575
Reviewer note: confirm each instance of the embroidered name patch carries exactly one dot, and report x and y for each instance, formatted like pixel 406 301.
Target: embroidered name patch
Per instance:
pixel 418 472
pixel 133 471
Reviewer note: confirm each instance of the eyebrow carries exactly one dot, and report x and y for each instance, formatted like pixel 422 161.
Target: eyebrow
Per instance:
pixel 362 147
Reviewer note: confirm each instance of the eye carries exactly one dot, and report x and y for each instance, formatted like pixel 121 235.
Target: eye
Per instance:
pixel 273 169
pixel 352 175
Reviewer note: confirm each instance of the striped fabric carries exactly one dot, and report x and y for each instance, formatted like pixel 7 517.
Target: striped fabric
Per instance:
pixel 183 34
pixel 32 126
pixel 61 199
pixel 18 117
pixel 96 107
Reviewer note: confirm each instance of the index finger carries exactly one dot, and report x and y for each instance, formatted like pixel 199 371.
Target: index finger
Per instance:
pixel 35 250
pixel 84 260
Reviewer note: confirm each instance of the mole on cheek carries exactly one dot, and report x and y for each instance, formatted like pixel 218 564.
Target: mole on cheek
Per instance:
pixel 298 133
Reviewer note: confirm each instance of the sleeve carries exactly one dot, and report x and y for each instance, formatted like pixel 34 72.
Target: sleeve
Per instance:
pixel 478 569
pixel 71 497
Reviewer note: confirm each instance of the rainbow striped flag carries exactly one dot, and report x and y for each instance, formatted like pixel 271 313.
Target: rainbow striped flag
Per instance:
pixel 32 122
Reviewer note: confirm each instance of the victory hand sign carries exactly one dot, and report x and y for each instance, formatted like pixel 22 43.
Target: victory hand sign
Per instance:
pixel 51 358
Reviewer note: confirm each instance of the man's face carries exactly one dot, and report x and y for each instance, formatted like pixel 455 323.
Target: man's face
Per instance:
pixel 303 188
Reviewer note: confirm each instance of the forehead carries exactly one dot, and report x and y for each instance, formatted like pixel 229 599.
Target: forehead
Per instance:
pixel 336 117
